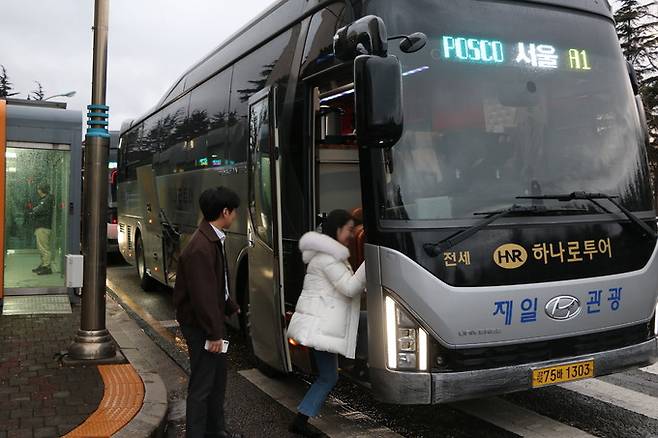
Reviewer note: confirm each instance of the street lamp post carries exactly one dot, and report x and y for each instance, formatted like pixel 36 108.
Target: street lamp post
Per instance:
pixel 93 341
pixel 69 94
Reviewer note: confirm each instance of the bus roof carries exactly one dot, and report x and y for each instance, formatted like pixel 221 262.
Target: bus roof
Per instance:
pixel 277 18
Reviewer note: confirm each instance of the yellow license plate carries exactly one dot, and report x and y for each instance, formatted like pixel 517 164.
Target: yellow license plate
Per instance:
pixel 562 373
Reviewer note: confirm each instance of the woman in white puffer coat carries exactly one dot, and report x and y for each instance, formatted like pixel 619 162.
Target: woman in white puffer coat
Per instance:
pixel 326 318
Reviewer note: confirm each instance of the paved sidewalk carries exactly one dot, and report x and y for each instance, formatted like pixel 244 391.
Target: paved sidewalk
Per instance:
pixel 38 396
pixel 41 396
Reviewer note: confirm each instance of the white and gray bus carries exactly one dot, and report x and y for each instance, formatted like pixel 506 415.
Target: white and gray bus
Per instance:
pixel 495 152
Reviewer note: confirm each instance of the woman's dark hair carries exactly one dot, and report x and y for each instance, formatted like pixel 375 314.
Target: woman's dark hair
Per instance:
pixel 214 201
pixel 336 219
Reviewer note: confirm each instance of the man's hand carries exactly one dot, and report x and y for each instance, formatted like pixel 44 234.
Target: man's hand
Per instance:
pixel 215 346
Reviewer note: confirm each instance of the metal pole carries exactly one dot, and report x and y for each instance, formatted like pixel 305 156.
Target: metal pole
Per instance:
pixel 93 341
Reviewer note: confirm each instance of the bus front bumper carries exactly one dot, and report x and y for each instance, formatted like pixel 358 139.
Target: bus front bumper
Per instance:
pixel 432 388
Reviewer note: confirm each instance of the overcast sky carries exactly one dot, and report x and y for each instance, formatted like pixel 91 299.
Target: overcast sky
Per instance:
pixel 151 42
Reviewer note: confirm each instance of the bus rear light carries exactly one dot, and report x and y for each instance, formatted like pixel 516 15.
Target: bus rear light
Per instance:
pixel 406 341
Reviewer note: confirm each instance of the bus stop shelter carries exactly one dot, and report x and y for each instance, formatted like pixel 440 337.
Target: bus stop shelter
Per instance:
pixel 40 148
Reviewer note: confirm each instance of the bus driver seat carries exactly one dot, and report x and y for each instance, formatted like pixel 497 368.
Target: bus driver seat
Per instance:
pixel 357 246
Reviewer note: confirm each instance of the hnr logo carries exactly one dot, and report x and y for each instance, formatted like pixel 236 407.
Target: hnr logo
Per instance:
pixel 510 256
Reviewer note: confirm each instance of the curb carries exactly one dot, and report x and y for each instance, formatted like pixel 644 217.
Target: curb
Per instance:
pixel 179 358
pixel 151 419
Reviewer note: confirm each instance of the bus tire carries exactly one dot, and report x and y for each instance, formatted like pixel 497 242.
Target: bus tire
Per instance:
pixel 146 282
pixel 245 325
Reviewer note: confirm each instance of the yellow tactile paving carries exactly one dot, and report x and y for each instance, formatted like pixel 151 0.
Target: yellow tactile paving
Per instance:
pixel 122 399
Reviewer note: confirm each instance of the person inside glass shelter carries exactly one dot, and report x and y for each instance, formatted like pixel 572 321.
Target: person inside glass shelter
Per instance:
pixel 42 218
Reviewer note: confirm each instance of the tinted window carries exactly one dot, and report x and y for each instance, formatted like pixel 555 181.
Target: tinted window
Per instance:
pixel 167 131
pixel 267 65
pixel 319 47
pixel 137 152
pixel 128 143
pixel 208 122
pixel 259 141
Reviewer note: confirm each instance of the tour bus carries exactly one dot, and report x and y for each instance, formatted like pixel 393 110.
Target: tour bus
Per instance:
pixel 494 154
pixel 113 174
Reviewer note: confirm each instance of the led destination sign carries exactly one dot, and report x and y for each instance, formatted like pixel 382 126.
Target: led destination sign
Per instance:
pixel 473 50
pixel 521 54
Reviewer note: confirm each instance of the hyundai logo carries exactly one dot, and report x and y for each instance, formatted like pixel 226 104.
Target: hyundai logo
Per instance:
pixel 563 307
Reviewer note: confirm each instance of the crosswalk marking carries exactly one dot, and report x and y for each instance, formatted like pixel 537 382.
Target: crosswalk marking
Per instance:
pixel 169 323
pixel 653 369
pixel 616 395
pixel 337 420
pixel 518 420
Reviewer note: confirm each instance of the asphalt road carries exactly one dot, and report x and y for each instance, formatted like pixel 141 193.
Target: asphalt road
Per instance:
pixel 622 405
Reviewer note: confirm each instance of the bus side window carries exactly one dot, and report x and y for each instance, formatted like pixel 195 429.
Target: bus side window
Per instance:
pixel 167 135
pixel 265 66
pixel 129 142
pixel 318 50
pixel 137 153
pixel 208 122
pixel 259 139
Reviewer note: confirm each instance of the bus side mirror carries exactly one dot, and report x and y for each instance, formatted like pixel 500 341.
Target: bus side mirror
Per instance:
pixel 366 36
pixel 378 100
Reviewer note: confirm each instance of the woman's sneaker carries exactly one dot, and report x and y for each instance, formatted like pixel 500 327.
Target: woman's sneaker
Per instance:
pixel 301 427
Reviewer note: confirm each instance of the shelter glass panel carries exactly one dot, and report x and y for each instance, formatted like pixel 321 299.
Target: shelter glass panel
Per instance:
pixel 36 217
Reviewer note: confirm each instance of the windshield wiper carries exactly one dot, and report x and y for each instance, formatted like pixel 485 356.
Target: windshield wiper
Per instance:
pixel 593 197
pixel 435 249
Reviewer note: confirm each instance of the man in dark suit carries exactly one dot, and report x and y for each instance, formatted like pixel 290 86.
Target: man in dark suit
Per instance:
pixel 202 301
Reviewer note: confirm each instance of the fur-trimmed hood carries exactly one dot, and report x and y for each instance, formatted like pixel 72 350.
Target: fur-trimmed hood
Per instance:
pixel 312 243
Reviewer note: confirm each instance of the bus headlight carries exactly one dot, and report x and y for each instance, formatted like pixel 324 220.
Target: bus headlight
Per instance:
pixel 406 341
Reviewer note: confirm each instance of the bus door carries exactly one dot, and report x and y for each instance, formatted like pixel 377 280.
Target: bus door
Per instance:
pixel 151 232
pixel 336 167
pixel 266 299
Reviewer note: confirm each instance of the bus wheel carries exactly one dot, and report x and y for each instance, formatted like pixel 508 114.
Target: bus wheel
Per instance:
pixel 245 325
pixel 145 280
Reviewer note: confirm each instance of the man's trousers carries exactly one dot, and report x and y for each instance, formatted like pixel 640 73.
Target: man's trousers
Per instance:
pixel 206 388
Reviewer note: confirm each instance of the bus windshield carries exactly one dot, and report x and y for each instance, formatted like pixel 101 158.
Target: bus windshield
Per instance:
pixel 506 100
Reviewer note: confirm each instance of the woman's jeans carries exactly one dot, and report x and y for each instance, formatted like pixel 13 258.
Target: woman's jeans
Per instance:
pixel 327 364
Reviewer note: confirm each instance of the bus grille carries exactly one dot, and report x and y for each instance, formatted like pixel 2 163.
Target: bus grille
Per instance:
pixel 129 239
pixel 509 355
